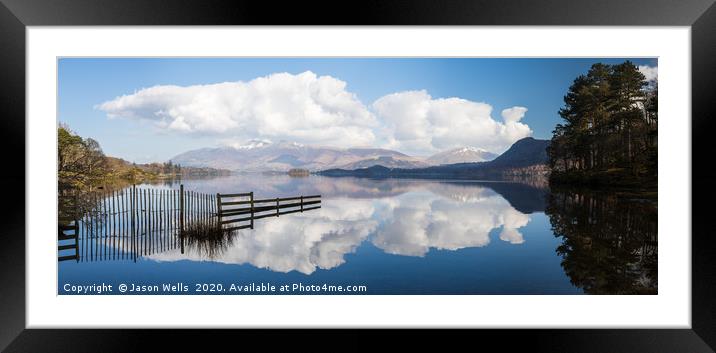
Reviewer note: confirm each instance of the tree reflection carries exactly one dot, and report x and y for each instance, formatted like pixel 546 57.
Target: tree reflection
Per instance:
pixel 609 241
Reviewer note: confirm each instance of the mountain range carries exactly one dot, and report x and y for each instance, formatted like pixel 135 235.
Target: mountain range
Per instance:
pixel 262 156
pixel 522 155
pixel 461 155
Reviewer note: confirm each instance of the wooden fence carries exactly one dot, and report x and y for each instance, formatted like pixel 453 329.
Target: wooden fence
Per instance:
pixel 235 210
pixel 68 245
pixel 124 224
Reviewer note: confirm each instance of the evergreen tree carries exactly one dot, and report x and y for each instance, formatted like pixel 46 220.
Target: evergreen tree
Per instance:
pixel 609 125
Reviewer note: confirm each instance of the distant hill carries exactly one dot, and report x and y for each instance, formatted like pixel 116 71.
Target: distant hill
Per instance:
pixel 522 155
pixel 263 156
pixel 386 161
pixel 461 155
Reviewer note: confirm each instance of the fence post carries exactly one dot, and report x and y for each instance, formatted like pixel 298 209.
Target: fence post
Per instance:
pixel 277 208
pixel 134 230
pixel 181 216
pixel 301 203
pixel 76 213
pixel 218 210
pixel 251 195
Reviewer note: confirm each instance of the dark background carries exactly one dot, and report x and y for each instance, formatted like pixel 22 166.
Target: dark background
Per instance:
pixel 16 14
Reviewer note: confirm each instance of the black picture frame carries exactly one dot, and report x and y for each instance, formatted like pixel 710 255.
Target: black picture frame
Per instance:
pixel 16 15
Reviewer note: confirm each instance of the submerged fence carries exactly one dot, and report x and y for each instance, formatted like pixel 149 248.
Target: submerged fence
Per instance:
pixel 124 224
pixel 235 209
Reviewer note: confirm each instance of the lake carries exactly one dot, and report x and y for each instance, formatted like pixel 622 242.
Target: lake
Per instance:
pixel 400 236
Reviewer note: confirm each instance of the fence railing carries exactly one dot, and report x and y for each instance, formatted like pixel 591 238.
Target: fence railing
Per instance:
pixel 67 243
pixel 124 224
pixel 237 209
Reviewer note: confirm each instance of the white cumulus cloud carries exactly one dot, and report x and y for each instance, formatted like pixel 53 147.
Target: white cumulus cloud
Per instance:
pixel 302 108
pixel 319 110
pixel 650 72
pixel 514 114
pixel 418 123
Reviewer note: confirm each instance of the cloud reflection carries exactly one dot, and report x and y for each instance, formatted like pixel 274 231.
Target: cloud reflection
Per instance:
pixel 420 217
pixel 420 222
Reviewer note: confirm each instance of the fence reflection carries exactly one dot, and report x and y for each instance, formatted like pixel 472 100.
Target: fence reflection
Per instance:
pixel 133 222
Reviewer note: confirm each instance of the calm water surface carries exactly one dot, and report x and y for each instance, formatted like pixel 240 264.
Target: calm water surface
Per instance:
pixel 399 236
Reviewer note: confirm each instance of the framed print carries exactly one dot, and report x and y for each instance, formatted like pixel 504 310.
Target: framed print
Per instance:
pixel 473 166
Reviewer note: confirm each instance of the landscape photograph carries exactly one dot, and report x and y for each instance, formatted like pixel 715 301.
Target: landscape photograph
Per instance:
pixel 357 176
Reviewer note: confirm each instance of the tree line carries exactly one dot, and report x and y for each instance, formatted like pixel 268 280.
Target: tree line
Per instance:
pixel 609 133
pixel 82 165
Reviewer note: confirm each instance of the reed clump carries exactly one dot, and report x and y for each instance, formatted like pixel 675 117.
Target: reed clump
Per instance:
pixel 208 238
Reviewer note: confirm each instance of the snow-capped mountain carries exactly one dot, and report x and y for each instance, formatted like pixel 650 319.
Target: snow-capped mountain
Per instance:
pixel 461 155
pixel 262 155
pixel 251 144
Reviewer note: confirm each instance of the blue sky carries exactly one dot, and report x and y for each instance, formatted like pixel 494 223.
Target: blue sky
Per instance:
pixel 414 105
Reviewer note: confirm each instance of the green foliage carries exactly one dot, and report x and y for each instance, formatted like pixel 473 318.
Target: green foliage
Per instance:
pixel 83 166
pixel 80 162
pixel 610 124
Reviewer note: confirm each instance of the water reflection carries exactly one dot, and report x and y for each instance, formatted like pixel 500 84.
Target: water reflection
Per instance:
pixel 609 242
pixel 399 217
pixel 543 242
pixel 418 221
